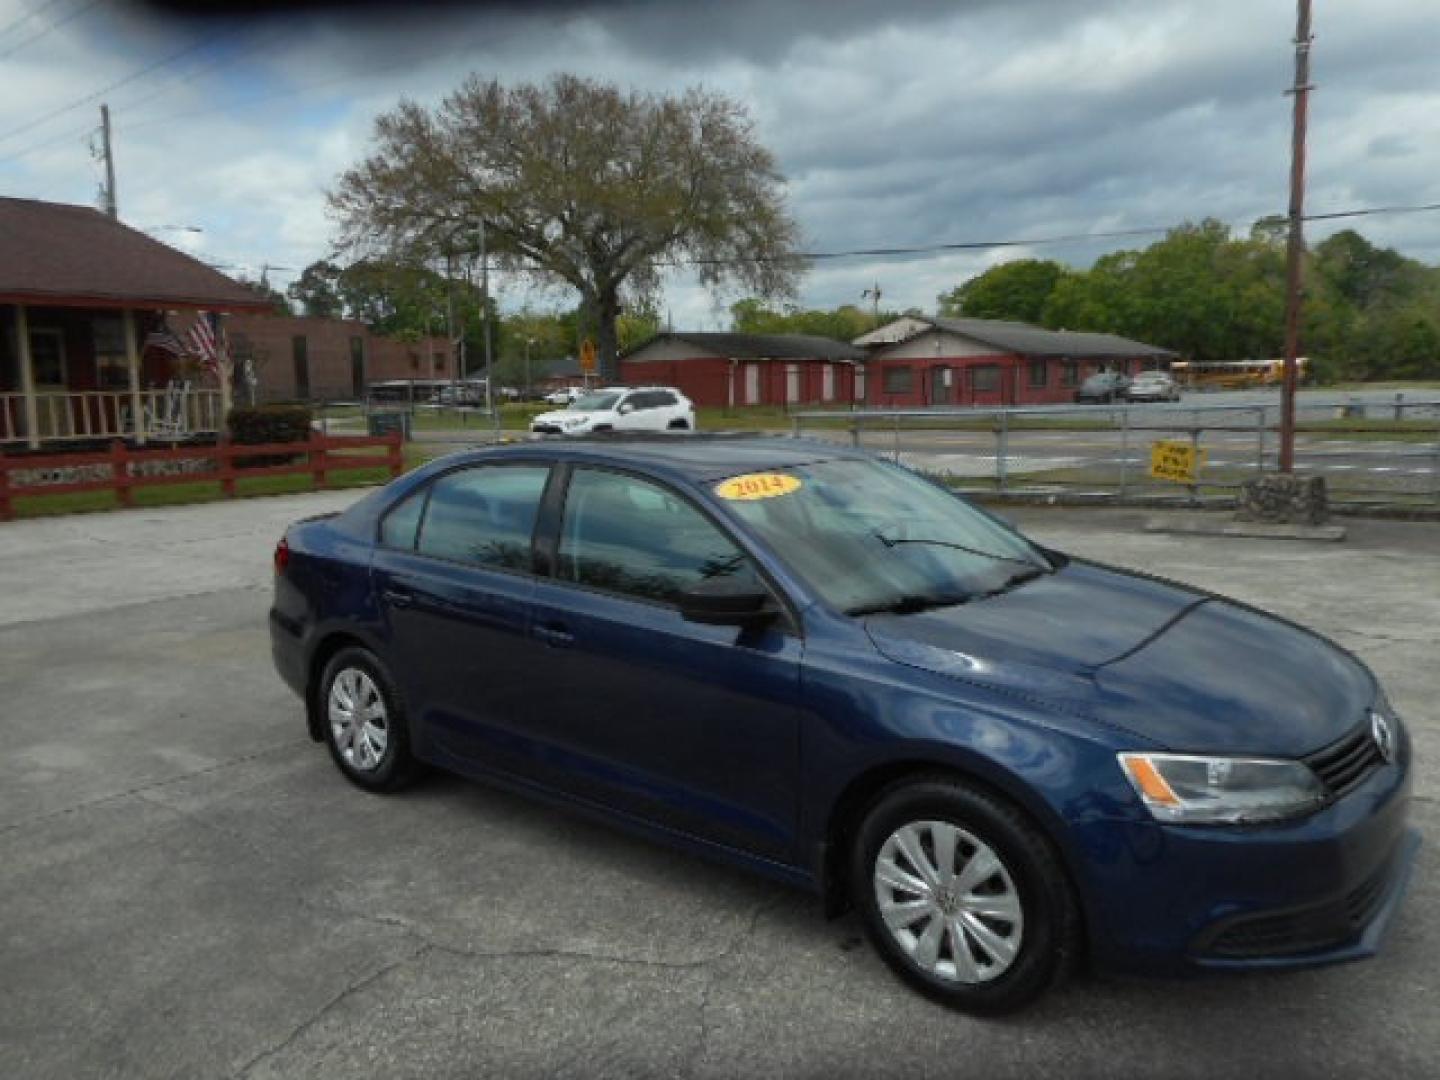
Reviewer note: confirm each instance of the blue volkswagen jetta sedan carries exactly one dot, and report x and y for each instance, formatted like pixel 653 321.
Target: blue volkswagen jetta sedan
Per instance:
pixel 822 666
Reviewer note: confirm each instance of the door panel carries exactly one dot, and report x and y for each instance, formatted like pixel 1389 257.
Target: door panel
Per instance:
pixel 453 577
pixel 463 655
pixel 694 727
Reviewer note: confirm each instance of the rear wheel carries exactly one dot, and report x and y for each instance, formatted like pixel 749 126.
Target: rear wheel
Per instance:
pixel 364 721
pixel 963 897
pixel 679 425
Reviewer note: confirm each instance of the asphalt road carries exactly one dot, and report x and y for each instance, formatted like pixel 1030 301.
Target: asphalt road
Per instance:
pixel 190 890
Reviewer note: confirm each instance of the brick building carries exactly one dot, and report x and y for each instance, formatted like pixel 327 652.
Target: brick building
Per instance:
pixel 921 361
pixel 298 358
pixel 722 369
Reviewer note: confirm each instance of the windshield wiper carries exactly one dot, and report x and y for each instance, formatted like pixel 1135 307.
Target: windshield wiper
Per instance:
pixel 890 542
pixel 910 604
pixel 1015 579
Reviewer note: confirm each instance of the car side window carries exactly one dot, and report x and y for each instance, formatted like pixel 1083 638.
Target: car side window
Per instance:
pixel 629 536
pixel 663 399
pixel 401 524
pixel 484 515
pixel 639 400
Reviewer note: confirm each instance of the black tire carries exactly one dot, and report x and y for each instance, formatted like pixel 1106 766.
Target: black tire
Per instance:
pixel 395 767
pixel 1050 939
pixel 679 425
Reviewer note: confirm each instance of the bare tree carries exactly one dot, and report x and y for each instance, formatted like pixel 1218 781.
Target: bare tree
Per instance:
pixel 577 182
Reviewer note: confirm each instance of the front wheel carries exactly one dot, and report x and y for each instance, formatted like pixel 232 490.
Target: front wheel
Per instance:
pixel 963 897
pixel 365 722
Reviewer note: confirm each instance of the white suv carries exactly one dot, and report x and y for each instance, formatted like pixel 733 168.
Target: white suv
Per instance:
pixel 620 408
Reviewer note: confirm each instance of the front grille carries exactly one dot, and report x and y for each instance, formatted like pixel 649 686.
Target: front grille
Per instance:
pixel 1344 765
pixel 1300 930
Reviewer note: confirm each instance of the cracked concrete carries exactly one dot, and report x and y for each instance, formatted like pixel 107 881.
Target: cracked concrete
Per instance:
pixel 190 890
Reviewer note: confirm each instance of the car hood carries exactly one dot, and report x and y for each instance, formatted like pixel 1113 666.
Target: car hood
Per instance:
pixel 557 416
pixel 1182 669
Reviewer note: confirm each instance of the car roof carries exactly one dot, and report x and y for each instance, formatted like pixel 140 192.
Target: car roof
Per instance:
pixel 692 457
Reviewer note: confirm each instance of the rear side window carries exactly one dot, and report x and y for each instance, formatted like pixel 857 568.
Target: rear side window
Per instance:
pixel 627 535
pixel 484 515
pixel 402 524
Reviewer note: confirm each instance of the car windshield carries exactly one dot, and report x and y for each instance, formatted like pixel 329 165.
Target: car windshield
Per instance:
pixel 598 402
pixel 870 537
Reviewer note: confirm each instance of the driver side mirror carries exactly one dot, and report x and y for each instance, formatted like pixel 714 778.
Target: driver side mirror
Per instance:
pixel 626 408
pixel 727 602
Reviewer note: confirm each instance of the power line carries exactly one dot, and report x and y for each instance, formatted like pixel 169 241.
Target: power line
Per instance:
pixel 27 16
pixel 216 64
pixel 70 17
pixel 96 95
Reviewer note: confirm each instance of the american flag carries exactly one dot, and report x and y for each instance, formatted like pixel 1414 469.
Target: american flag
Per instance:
pixel 163 340
pixel 202 340
pixel 207 344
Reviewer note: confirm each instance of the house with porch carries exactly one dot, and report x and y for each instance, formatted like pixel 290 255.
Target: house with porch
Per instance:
pixel 84 304
pixel 917 360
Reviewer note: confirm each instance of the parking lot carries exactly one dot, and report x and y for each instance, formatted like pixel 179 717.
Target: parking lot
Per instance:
pixel 191 890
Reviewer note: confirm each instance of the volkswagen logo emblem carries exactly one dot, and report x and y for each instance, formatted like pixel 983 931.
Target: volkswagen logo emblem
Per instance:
pixel 1383 736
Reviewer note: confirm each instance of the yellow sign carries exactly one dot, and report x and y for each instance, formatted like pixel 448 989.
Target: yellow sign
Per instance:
pixel 762 485
pixel 587 356
pixel 1173 459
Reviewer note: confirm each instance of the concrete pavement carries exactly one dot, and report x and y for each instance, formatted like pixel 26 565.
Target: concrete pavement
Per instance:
pixel 190 889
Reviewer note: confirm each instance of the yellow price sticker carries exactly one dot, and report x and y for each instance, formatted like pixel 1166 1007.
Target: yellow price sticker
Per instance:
pixel 757 486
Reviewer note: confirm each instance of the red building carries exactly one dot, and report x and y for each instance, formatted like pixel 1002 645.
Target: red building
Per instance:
pixel 722 369
pixel 921 361
pixel 297 358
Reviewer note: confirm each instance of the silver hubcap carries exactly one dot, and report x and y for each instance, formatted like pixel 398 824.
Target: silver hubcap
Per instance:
pixel 949 902
pixel 358 722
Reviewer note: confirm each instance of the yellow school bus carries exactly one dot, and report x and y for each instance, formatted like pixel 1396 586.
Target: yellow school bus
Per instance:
pixel 1233 375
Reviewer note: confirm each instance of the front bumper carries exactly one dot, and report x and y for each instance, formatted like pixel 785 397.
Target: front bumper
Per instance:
pixel 1166 899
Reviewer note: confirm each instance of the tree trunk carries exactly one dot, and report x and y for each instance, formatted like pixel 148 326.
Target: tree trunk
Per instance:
pixel 606 309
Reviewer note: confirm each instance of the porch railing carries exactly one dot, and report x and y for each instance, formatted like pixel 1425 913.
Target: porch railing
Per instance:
pixel 77 415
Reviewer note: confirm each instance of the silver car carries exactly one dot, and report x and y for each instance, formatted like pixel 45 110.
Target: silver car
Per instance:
pixel 1152 386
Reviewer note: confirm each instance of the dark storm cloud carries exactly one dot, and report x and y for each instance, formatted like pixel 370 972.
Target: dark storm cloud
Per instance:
pixel 922 121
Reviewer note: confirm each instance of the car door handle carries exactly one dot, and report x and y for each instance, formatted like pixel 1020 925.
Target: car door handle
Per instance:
pixel 398 597
pixel 553 634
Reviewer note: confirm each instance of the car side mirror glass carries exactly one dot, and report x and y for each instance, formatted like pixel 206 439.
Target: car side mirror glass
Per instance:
pixel 727 602
pixel 626 408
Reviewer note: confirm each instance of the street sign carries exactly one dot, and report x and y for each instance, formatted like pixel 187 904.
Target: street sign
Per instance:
pixel 1177 460
pixel 587 356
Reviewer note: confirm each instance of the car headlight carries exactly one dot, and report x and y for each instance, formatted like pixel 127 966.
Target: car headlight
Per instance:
pixel 1197 790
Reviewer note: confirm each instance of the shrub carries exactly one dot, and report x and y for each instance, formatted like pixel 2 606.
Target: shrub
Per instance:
pixel 254 425
pixel 269 424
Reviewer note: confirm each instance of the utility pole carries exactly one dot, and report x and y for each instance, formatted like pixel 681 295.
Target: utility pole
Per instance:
pixel 1295 249
pixel 873 294
pixel 111 208
pixel 485 331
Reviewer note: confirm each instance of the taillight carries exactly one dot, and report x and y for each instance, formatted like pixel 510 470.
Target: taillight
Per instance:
pixel 282 556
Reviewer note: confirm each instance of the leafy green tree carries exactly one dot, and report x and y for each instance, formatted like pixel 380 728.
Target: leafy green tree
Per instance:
pixel 577 183
pixel 843 323
pixel 1014 290
pixel 262 288
pixel 317 291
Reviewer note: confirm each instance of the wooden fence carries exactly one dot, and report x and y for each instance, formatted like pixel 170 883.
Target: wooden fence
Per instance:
pixel 122 470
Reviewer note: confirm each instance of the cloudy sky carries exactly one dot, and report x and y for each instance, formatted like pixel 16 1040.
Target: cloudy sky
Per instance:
pixel 904 122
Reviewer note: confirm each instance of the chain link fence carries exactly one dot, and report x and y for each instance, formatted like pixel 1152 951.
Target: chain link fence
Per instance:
pixel 1371 454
